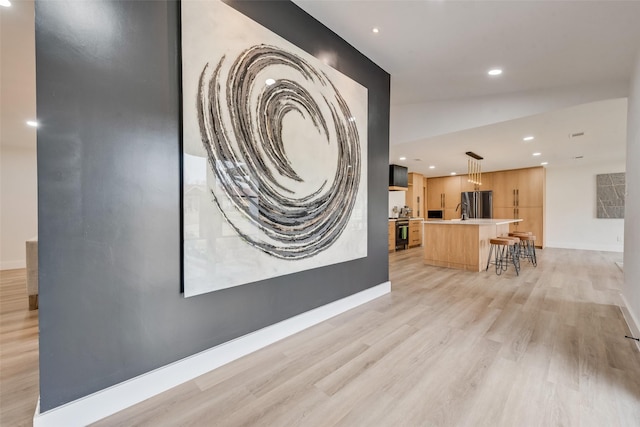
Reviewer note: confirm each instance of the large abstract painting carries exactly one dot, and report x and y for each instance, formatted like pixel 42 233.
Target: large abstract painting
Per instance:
pixel 274 154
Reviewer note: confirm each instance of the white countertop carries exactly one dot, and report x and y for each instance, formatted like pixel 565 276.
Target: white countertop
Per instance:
pixel 410 219
pixel 492 221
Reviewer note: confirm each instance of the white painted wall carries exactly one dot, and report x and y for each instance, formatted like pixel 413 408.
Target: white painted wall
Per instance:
pixel 631 287
pixel 18 188
pixel 396 198
pixel 571 220
pixel 19 201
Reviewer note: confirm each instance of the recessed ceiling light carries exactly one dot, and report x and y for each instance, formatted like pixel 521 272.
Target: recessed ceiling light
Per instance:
pixel 432 167
pixel 495 72
pixel 544 163
pixel 537 154
pixel 527 138
pixel 376 30
pixel 453 173
pixel 403 158
pixel 269 82
pixel 32 123
pixel 5 3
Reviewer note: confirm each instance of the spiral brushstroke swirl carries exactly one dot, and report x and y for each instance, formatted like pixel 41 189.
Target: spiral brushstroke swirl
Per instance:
pixel 241 126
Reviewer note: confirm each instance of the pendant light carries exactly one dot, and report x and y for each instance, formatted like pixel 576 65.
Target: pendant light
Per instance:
pixel 474 169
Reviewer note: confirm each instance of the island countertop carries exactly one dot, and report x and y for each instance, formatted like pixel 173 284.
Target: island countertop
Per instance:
pixel 479 221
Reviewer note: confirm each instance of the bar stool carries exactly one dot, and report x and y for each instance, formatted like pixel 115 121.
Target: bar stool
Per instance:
pixel 505 250
pixel 527 246
pixel 522 247
pixel 514 256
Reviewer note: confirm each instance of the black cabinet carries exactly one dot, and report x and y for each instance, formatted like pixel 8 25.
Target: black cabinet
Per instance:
pixel 398 176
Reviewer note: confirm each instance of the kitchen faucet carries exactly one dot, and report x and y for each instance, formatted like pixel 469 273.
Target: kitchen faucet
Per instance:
pixel 463 211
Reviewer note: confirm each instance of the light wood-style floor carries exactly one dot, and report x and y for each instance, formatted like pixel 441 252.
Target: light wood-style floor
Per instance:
pixel 18 351
pixel 445 348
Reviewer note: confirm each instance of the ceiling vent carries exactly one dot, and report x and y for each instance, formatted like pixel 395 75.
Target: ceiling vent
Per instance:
pixel 576 135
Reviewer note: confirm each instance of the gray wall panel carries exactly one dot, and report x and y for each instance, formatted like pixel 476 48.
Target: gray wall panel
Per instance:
pixel 109 197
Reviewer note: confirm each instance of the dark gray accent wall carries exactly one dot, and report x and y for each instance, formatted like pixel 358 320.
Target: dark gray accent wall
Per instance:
pixel 108 90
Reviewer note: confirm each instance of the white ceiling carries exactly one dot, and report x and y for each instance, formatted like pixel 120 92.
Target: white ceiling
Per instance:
pixel 440 51
pixel 502 145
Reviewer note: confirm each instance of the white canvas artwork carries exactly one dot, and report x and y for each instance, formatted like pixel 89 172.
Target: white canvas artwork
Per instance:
pixel 274 154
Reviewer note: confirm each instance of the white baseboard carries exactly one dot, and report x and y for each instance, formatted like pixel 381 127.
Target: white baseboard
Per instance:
pixel 631 319
pixel 106 402
pixel 586 246
pixel 12 265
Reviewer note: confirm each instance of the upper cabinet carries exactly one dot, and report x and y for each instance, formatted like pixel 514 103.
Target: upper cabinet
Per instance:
pixel 530 191
pixel 504 188
pixel 415 194
pixel 452 197
pixel 519 188
pixel 435 193
pixel 425 195
pixel 444 194
pixel 398 177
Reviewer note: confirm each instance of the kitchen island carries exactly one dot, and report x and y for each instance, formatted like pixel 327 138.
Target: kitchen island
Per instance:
pixel 462 244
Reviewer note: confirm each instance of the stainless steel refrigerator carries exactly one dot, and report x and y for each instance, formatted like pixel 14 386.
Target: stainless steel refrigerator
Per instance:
pixel 477 204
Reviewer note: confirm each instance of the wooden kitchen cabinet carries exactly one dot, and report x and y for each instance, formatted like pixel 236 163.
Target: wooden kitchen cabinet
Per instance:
pixel 532 221
pixel 392 236
pixel 435 193
pixel 451 192
pixel 519 187
pixel 520 194
pixel 451 214
pixel 444 194
pixel 424 198
pixel 415 194
pixel 415 233
pixel 508 213
pixel 504 186
pixel 530 190
pixel 504 213
pixel 452 197
pixel 487 181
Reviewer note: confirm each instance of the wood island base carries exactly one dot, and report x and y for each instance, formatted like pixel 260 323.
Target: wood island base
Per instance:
pixel 463 245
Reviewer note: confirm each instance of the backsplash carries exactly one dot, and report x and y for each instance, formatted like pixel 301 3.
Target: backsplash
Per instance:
pixel 396 198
